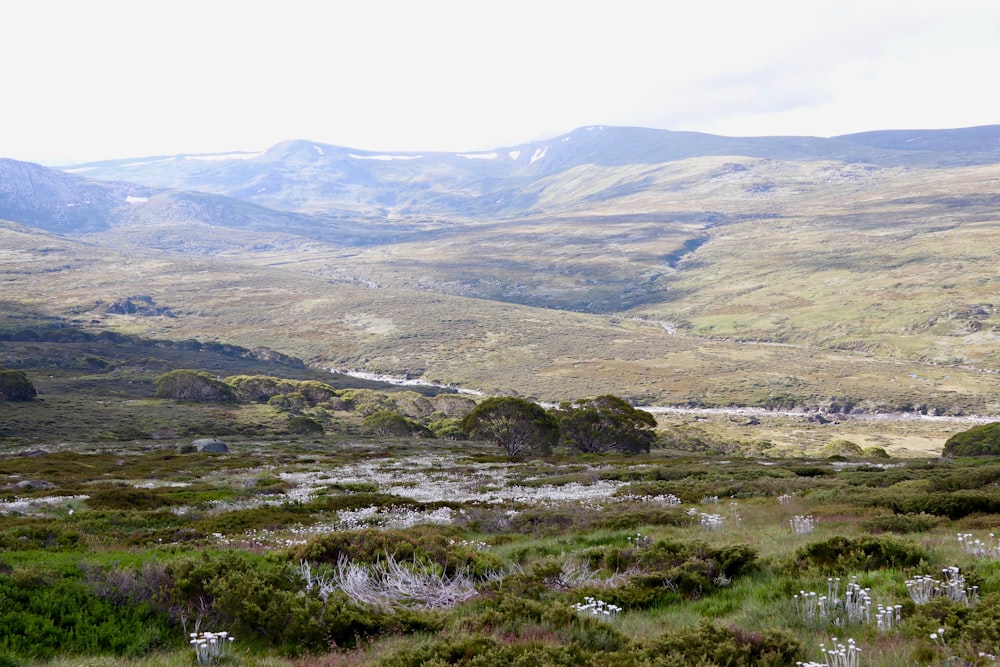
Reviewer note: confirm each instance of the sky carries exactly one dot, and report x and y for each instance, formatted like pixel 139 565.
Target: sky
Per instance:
pixel 86 80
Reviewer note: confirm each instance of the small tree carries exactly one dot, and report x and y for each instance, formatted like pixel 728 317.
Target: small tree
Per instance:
pixel 606 424
pixel 518 426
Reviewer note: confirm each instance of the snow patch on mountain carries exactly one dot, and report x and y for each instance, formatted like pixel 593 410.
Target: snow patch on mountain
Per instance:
pixel 539 154
pixel 478 156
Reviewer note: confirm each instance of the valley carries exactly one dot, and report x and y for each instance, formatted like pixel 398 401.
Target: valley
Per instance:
pixel 243 397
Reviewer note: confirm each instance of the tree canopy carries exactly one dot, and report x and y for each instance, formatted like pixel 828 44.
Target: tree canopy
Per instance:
pixel 606 424
pixel 516 425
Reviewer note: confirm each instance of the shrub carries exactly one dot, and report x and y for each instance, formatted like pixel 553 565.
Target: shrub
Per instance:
pixel 841 448
pixel 44 616
pixel 389 423
pixel 188 385
pixel 259 388
pixel 711 645
pixel 127 498
pixel 953 505
pixel 301 425
pixel 982 440
pixel 15 386
pixel 839 555
pixel 424 544
pixel 901 523
pixel 448 428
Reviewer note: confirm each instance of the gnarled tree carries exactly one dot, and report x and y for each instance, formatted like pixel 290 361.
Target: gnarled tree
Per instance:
pixel 516 425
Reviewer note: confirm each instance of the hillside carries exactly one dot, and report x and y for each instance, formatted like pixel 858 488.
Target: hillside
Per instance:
pixel 670 268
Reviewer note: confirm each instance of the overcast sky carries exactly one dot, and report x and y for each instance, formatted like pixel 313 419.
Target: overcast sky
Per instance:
pixel 95 79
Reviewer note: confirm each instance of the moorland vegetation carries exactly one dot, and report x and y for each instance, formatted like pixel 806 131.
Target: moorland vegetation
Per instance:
pixel 393 531
pixel 687 401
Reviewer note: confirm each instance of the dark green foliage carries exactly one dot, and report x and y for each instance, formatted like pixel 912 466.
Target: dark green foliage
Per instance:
pixel 605 424
pixel 389 423
pixel 668 570
pixel 15 386
pixel 264 599
pixel 197 386
pixel 424 544
pixel 840 555
pixel 48 614
pixel 302 425
pixel 901 523
pixel 262 388
pixel 517 426
pixel 36 534
pixel 953 505
pixel 555 520
pixel 982 440
pixel 128 498
pixel 711 646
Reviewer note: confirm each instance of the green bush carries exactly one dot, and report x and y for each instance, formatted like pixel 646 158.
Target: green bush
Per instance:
pixel 426 544
pixel 841 448
pixel 15 386
pixel 953 505
pixel 901 523
pixel 197 386
pixel 839 554
pixel 128 498
pixel 47 615
pixel 389 423
pixel 711 646
pixel 302 425
pixel 982 440
pixel 47 535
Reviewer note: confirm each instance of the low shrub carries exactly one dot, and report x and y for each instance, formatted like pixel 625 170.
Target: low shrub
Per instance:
pixel 425 544
pixel 839 554
pixel 45 616
pixel 709 645
pixel 302 425
pixel 901 523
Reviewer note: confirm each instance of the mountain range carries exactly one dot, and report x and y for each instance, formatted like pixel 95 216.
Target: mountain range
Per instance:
pixel 636 244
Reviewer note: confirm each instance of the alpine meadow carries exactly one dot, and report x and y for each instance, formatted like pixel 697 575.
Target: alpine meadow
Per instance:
pixel 621 398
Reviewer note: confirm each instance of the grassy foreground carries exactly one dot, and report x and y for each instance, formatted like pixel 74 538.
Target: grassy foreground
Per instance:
pixel 438 552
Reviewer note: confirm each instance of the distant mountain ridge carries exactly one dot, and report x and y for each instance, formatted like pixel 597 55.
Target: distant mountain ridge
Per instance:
pixel 310 177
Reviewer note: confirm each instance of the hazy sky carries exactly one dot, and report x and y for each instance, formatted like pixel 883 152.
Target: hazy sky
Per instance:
pixel 95 79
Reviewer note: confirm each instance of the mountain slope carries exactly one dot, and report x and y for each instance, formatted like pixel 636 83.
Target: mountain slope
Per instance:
pixel 309 177
pixel 708 278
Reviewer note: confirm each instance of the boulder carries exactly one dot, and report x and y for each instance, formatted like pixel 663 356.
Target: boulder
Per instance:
pixel 213 445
